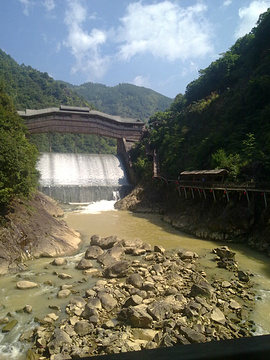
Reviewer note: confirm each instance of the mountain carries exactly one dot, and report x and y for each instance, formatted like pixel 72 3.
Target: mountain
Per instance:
pixel 222 120
pixel 124 99
pixel 32 89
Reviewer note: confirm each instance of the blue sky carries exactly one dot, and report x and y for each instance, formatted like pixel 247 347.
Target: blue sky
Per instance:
pixel 159 44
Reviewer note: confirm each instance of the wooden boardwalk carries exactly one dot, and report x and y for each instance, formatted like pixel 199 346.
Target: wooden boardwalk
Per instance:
pixel 203 189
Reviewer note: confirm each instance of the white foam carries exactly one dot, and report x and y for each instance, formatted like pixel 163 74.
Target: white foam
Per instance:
pixel 98 207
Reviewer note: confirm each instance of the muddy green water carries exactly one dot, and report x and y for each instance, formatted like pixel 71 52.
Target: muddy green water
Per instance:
pixel 148 227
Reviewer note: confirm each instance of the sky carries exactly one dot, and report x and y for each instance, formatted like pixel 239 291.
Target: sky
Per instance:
pixel 158 44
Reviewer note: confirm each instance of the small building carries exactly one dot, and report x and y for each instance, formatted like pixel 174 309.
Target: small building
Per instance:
pixel 217 175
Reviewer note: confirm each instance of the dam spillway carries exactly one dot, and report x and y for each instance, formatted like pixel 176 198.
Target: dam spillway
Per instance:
pixel 82 178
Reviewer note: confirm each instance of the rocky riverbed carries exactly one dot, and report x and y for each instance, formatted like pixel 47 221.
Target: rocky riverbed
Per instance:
pixel 143 298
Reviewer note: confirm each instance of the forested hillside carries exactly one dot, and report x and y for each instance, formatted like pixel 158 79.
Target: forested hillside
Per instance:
pixel 18 176
pixel 223 119
pixel 124 99
pixel 32 89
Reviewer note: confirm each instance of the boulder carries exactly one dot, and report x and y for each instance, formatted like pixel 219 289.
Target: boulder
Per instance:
pixel 218 316
pixel 224 252
pixel 64 276
pixel 243 276
pixel 202 288
pixel 24 285
pixel 159 249
pixel 192 335
pixel 235 305
pixel 28 309
pixel 133 301
pixel 187 255
pixel 62 294
pixel 116 270
pixel 159 309
pixel 59 262
pixel 93 252
pixel 139 318
pixel 95 302
pixel 78 301
pixel 135 280
pixel 82 328
pixel 112 255
pixel 84 264
pixel 104 243
pixel 89 311
pixel 107 301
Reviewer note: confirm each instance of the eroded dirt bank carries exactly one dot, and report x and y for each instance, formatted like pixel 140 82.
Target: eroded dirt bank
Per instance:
pixel 220 220
pixel 33 229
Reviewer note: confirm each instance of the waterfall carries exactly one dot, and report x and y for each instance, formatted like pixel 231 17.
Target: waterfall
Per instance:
pixel 82 178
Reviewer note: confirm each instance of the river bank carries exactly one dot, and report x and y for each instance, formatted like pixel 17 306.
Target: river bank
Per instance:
pixel 34 228
pixel 218 220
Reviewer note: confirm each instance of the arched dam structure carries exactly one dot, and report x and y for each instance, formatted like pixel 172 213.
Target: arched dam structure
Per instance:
pixel 84 177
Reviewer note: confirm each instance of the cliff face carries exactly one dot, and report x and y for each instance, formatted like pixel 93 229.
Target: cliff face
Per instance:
pixel 33 229
pixel 232 221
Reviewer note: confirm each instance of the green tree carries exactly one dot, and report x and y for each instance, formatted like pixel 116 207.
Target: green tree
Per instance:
pixel 18 157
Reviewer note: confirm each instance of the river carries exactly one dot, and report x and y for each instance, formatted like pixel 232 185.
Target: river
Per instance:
pixel 101 218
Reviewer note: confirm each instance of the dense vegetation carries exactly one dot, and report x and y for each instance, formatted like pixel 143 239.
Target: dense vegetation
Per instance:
pixel 124 99
pixel 32 89
pixel 18 176
pixel 222 120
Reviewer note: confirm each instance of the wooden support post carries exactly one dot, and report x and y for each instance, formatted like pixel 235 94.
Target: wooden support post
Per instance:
pixel 227 195
pixel 199 191
pixel 214 195
pixel 204 193
pixel 247 197
pixel 192 192
pixel 185 191
pixel 265 200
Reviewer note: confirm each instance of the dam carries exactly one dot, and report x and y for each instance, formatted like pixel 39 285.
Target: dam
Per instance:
pixel 82 178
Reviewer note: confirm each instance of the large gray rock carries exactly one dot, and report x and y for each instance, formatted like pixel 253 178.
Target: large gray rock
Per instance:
pixel 93 252
pixel 84 264
pixel 112 255
pixel 118 269
pixel 138 317
pixel 59 262
pixel 82 328
pixel 107 301
pixel 89 311
pixel 224 252
pixel 135 280
pixel 159 309
pixel 202 288
pixel 192 335
pixel 104 243
pixel 218 316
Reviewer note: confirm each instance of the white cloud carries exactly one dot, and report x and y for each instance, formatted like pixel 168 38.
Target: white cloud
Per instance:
pixel 227 2
pixel 165 30
pixel 26 6
pixel 141 81
pixel 249 16
pixel 85 46
pixel 49 4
